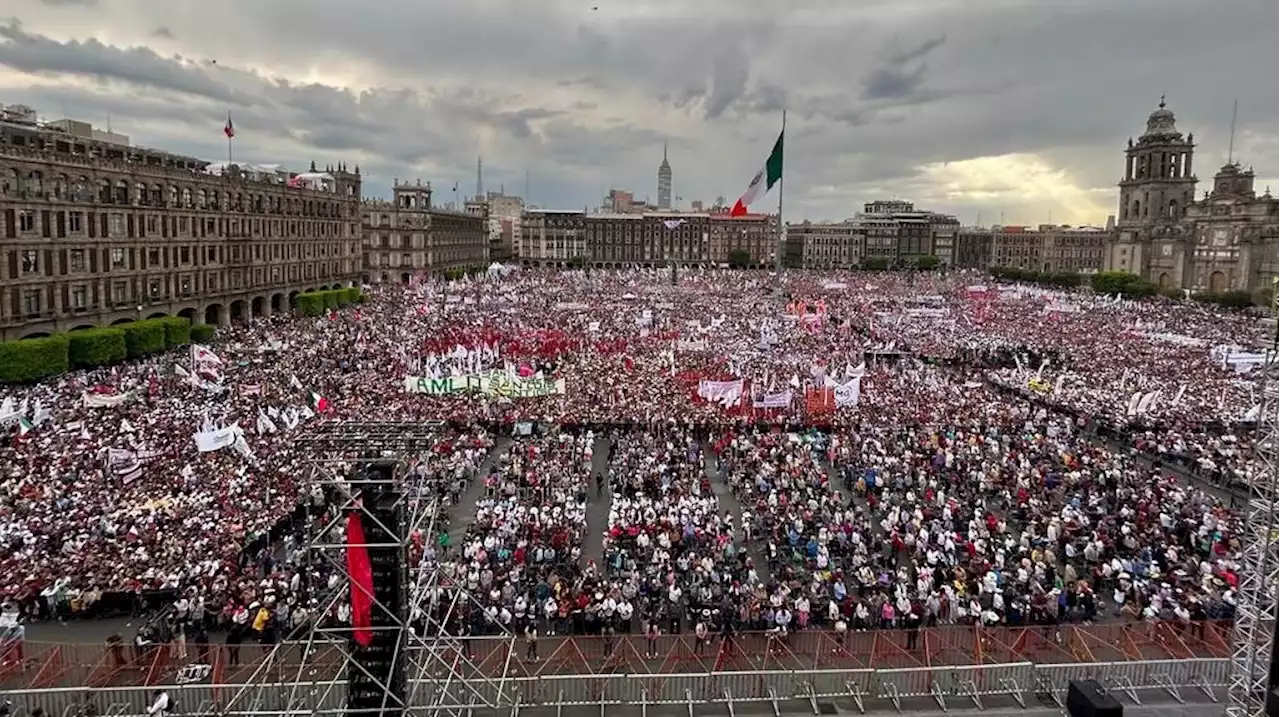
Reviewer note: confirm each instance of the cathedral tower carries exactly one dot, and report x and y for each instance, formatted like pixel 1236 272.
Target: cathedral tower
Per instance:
pixel 1158 182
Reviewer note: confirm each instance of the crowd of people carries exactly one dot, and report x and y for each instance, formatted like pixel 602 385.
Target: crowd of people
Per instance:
pixel 955 482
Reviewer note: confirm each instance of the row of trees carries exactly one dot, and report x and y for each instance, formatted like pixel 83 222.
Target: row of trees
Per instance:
pixel 1132 286
pixel 33 359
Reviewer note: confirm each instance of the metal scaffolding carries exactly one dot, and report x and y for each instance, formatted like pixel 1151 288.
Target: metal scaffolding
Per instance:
pixel 438 664
pixel 1260 562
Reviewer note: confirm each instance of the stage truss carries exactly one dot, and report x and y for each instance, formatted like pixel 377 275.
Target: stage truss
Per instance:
pixel 440 669
pixel 1260 569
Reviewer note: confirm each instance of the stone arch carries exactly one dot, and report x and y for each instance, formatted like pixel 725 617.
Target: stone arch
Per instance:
pixel 36 335
pixel 257 307
pixel 278 303
pixel 157 315
pixel 1164 281
pixel 213 314
pixel 239 310
pixel 122 192
pixel 155 197
pixel 405 277
pixel 84 327
pixel 104 191
pixel 122 320
pixel 189 314
pixel 293 297
pixel 1217 282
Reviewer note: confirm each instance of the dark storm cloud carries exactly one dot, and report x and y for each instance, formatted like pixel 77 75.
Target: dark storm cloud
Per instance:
pixel 902 74
pixel 874 91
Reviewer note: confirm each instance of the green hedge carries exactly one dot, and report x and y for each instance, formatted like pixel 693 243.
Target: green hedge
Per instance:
pixel 1130 286
pixel 1063 279
pixel 202 333
pixel 317 303
pixel 143 338
pixel 97 347
pixel 33 359
pixel 1226 299
pixel 177 330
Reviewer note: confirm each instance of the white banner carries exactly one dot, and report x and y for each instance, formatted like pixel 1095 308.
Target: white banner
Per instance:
pixel 1061 308
pixel 102 400
pixel 928 312
pixel 781 399
pixel 691 345
pixel 849 393
pixel 217 439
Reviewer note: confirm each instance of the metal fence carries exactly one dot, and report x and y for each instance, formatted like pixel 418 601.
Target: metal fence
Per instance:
pixel 37 665
pixel 980 686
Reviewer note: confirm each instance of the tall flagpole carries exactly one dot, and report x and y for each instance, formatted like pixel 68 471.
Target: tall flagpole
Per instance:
pixel 782 183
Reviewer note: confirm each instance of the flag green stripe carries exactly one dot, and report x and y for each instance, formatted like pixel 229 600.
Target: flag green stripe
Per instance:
pixel 773 166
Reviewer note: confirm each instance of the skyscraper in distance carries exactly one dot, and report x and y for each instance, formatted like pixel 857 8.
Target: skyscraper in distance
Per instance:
pixel 664 181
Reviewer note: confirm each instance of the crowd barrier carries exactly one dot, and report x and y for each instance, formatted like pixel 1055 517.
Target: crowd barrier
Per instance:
pixel 42 665
pixel 997 685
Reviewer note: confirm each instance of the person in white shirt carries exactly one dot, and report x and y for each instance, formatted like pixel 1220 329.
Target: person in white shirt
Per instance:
pixel 160 704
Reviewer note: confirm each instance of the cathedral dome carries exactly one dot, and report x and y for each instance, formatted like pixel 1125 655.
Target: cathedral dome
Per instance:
pixel 1161 122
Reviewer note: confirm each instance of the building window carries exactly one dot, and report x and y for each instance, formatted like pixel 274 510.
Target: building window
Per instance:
pixel 76 260
pixel 153 288
pixel 185 285
pixel 211 254
pixel 79 297
pixel 184 255
pixel 153 225
pixel 117 258
pixel 120 292
pixel 117 225
pixel 153 257
pixel 75 222
pixel 26 221
pixel 30 261
pixel 31 302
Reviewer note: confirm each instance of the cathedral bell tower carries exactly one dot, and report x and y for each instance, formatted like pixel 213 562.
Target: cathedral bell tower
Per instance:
pixel 1158 183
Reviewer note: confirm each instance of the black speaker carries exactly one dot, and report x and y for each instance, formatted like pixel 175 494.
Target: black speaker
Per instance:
pixel 1086 698
pixel 383 518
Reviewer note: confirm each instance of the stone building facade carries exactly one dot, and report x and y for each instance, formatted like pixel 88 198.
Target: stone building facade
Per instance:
pixel 551 238
pixel 407 236
pixel 825 245
pixel 1227 240
pixel 95 232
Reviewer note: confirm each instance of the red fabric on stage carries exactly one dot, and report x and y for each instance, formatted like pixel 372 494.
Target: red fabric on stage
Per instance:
pixel 361 571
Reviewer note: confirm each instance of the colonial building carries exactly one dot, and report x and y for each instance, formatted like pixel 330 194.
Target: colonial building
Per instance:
pixel 1225 241
pixel 824 245
pixel 407 236
pixel 973 247
pixel 897 231
pixel 552 238
pixel 94 231
pixel 1047 248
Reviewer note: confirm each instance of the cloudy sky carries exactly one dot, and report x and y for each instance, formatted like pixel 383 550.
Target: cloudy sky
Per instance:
pixel 983 108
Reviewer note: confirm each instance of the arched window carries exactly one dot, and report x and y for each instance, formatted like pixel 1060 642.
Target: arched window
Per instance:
pixel 122 192
pixel 1173 207
pixel 1136 212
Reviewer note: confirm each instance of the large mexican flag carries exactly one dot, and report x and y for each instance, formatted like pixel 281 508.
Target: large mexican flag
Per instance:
pixel 764 180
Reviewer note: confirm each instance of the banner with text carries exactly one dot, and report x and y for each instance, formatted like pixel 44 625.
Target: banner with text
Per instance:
pixel 492 383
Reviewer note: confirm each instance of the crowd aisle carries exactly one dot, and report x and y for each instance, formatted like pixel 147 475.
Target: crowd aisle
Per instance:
pixel 737 451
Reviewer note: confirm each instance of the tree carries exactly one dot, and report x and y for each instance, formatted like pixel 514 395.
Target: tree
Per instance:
pixel 739 258
pixel 875 263
pixel 1128 285
pixel 927 262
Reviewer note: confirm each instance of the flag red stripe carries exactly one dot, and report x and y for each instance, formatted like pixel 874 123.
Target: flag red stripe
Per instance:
pixel 739 209
pixel 361 571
